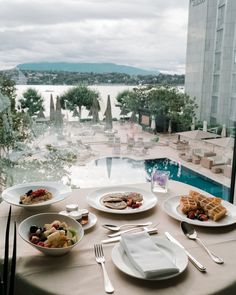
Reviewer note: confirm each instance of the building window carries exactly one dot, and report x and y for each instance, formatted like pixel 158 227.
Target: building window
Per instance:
pixel 216 82
pixel 219 38
pixel 234 84
pixel 221 14
pixel 221 2
pixel 213 121
pixel 232 114
pixel 196 2
pixel 217 61
pixel 214 104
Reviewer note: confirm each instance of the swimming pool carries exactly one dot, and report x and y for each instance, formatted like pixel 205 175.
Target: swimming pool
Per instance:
pixel 116 170
pixel 188 176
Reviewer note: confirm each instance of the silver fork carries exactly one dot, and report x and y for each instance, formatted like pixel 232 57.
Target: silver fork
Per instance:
pixel 101 260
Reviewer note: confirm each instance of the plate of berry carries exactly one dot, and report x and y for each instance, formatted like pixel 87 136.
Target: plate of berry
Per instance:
pixel 208 211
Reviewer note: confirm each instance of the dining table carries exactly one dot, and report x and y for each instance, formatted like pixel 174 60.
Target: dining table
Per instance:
pixel 78 273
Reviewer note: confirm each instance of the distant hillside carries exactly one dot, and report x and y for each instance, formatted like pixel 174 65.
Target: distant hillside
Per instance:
pixel 85 68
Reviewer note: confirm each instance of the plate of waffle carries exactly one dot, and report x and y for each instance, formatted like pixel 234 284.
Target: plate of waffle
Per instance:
pixel 200 209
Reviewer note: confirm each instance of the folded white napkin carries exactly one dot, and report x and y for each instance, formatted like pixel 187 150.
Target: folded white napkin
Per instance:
pixel 146 256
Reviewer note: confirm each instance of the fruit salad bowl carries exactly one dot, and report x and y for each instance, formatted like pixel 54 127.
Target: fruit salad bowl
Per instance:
pixel 51 233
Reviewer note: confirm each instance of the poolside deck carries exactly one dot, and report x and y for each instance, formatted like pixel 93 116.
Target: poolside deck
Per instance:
pixel 162 149
pixel 88 143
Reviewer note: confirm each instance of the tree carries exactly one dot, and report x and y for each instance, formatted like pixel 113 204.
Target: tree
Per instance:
pixel 163 101
pixel 14 126
pixel 31 102
pixel 132 101
pixel 125 100
pixel 77 97
pixel 7 87
pixel 175 106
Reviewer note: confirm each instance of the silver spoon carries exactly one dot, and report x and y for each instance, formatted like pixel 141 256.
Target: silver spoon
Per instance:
pixel 113 227
pixel 191 233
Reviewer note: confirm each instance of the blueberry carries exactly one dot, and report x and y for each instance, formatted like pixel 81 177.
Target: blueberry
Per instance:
pixel 29 193
pixel 33 228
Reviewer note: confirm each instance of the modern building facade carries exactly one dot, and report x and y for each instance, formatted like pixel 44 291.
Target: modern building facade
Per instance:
pixel 211 59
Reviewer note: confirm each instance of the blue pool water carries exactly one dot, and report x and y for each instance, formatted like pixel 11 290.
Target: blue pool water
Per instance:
pixel 115 170
pixel 188 176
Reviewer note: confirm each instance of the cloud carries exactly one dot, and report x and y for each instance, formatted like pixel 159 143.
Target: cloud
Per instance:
pixel 149 34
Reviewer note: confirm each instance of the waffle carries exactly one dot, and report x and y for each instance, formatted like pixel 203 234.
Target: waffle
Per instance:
pixel 194 194
pixel 211 206
pixel 187 204
pixel 217 212
pixel 199 198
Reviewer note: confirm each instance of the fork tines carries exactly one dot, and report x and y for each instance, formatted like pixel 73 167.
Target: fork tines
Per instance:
pixel 98 250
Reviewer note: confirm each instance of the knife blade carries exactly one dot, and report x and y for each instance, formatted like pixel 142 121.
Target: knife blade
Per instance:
pixel 151 231
pixel 126 231
pixel 194 261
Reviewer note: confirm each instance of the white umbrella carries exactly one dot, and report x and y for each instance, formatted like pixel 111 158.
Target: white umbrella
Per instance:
pixel 94 110
pixel 58 114
pixel 193 124
pixel 41 114
pixel 108 115
pixel 52 109
pixel 223 132
pixel 109 165
pixel 153 123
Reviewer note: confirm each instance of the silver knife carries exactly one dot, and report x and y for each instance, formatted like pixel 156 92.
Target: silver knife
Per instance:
pixel 126 231
pixel 196 263
pixel 151 231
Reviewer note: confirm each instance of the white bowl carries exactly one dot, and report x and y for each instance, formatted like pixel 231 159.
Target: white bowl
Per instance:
pixel 40 220
pixel 59 191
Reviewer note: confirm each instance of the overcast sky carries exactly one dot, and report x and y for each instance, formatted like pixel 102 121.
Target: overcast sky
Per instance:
pixel 150 34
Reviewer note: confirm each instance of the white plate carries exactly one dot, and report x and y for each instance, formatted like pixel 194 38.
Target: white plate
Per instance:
pixel 94 199
pixel 92 220
pixel 171 207
pixel 59 191
pixel 172 251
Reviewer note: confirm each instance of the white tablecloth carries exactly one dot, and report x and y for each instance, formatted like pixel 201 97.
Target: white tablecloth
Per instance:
pixel 78 273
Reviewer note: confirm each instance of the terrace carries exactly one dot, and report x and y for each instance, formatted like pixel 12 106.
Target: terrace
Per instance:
pixel 70 156
pixel 79 145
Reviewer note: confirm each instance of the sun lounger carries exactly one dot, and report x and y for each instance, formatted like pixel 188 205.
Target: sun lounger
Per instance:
pixel 217 169
pixel 186 157
pixel 209 162
pixel 179 145
pixel 202 152
pixel 196 159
